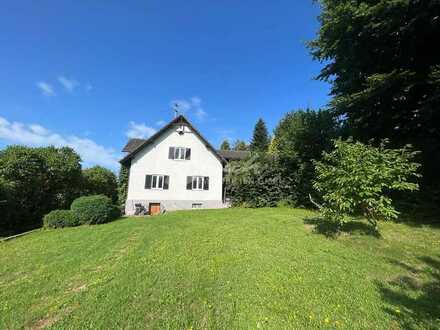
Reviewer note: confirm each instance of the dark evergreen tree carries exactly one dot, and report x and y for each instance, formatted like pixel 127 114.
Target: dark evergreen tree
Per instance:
pixel 225 145
pixel 260 140
pixel 384 68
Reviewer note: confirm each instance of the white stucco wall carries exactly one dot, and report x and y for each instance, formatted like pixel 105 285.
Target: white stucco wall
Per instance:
pixel 153 159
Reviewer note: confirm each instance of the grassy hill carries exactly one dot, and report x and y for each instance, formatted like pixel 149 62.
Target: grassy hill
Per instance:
pixel 235 268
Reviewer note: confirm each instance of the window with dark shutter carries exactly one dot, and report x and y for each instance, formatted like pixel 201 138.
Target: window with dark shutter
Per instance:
pixel 206 183
pixel 148 182
pixel 171 153
pixel 188 154
pixel 189 183
pixel 166 182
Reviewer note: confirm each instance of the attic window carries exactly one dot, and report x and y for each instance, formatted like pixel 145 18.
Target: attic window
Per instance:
pixel 179 153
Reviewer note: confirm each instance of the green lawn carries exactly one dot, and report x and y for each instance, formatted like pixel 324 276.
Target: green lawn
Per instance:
pixel 223 269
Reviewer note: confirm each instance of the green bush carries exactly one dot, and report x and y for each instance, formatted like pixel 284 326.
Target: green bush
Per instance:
pixel 60 219
pixel 94 209
pixel 356 180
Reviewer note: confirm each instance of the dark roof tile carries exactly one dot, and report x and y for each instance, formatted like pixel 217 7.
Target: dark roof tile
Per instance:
pixel 132 144
pixel 233 154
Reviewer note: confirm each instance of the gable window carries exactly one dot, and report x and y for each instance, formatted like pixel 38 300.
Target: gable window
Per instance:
pixel 197 183
pixel 179 153
pixel 157 181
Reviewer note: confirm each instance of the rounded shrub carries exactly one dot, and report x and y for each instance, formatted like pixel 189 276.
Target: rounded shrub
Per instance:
pixel 60 219
pixel 94 209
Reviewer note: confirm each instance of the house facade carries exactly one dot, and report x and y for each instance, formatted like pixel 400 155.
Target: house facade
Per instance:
pixel 175 169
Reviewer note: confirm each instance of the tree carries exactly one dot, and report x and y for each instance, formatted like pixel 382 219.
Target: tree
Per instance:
pixel 225 145
pixel 98 180
pixel 356 179
pixel 64 175
pixel 299 139
pixel 384 71
pixel 37 180
pixel 240 145
pixel 260 140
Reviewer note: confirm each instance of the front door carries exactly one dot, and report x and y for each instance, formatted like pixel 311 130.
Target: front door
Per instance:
pixel 154 208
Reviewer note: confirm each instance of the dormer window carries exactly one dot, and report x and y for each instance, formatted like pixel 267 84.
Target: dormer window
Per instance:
pixel 179 153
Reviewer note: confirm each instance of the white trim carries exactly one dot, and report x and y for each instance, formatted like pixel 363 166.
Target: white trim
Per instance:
pixel 181 151
pixel 157 176
pixel 199 179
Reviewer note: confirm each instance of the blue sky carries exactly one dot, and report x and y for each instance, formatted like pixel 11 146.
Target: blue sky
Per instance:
pixel 90 74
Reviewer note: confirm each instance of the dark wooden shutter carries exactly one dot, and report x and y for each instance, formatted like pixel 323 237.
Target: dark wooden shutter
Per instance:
pixel 206 183
pixel 148 182
pixel 166 182
pixel 188 154
pixel 171 153
pixel 189 183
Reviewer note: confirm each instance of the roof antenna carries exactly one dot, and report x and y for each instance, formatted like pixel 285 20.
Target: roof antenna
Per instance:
pixel 176 109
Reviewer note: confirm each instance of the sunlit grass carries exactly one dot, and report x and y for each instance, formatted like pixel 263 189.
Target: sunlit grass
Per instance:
pixel 224 269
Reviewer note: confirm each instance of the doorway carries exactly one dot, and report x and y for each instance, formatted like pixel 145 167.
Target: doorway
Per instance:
pixel 154 208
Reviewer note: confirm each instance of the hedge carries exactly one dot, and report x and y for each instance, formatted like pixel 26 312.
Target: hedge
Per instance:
pixel 60 219
pixel 94 209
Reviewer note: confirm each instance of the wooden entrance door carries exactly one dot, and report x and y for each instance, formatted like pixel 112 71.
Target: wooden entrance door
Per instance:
pixel 154 208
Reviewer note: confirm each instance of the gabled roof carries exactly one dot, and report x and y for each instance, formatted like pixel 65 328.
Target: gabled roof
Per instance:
pixel 234 154
pixel 135 145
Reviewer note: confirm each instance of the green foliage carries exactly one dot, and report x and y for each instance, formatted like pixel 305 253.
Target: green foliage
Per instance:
pixel 260 140
pixel 7 202
pixel 384 70
pixel 99 180
pixel 299 139
pixel 37 180
pixel 94 209
pixel 286 172
pixel 240 145
pixel 256 181
pixel 356 179
pixel 60 219
pixel 123 186
pixel 225 145
pixel 64 175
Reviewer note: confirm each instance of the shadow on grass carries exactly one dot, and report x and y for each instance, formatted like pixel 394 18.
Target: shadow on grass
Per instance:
pixel 413 299
pixel 419 208
pixel 330 229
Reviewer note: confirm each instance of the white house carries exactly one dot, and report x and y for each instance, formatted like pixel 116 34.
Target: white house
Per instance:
pixel 176 168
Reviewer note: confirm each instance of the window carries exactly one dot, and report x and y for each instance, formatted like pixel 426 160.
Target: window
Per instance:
pixel 197 183
pixel 197 205
pixel 157 181
pixel 179 153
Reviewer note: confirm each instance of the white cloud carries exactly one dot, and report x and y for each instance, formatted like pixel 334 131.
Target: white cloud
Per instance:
pixel 45 88
pixel 89 87
pixel 139 131
pixel 193 106
pixel 68 84
pixel 35 135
